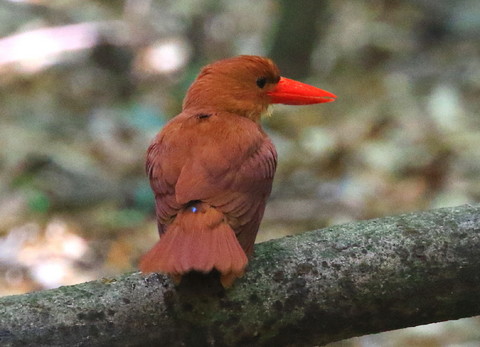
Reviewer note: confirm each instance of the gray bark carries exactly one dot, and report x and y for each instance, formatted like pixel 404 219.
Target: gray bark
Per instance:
pixel 310 289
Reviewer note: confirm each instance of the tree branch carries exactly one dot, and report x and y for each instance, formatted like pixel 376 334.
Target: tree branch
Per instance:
pixel 313 288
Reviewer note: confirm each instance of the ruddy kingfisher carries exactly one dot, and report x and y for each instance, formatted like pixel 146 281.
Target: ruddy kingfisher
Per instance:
pixel 211 167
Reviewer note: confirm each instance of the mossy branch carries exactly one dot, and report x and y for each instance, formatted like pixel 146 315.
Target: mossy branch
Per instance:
pixel 309 289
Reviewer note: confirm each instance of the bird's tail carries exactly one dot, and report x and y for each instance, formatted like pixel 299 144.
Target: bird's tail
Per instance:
pixel 199 239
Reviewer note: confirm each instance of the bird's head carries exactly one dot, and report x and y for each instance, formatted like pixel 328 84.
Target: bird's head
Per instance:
pixel 247 85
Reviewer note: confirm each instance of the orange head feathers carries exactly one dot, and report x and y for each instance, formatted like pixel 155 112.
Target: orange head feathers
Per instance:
pixel 212 166
pixel 247 85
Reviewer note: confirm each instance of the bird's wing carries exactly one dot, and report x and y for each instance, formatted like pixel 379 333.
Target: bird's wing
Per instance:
pixel 163 166
pixel 222 159
pixel 245 204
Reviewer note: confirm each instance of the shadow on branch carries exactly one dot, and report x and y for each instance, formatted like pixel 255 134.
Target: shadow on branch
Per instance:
pixel 310 289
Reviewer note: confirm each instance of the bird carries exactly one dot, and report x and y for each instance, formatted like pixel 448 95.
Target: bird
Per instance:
pixel 211 168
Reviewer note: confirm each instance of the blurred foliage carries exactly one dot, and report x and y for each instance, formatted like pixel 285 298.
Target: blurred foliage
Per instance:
pixel 86 85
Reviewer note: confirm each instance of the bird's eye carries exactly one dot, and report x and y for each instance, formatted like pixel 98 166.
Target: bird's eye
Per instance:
pixel 261 81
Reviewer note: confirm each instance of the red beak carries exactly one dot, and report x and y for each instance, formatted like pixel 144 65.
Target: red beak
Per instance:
pixel 292 92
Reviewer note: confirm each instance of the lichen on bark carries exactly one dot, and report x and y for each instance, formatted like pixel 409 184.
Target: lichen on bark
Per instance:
pixel 308 289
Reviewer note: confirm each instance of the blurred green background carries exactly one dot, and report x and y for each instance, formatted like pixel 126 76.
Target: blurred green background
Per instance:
pixel 85 85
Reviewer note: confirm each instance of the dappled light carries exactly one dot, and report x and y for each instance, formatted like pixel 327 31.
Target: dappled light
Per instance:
pixel 85 86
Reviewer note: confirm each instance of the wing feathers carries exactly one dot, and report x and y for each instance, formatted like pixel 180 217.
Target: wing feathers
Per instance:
pixel 225 160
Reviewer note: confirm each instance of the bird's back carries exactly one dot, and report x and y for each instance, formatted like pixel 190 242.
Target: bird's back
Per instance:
pixel 222 159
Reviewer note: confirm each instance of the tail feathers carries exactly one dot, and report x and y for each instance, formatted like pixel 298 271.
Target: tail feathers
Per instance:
pixel 198 240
